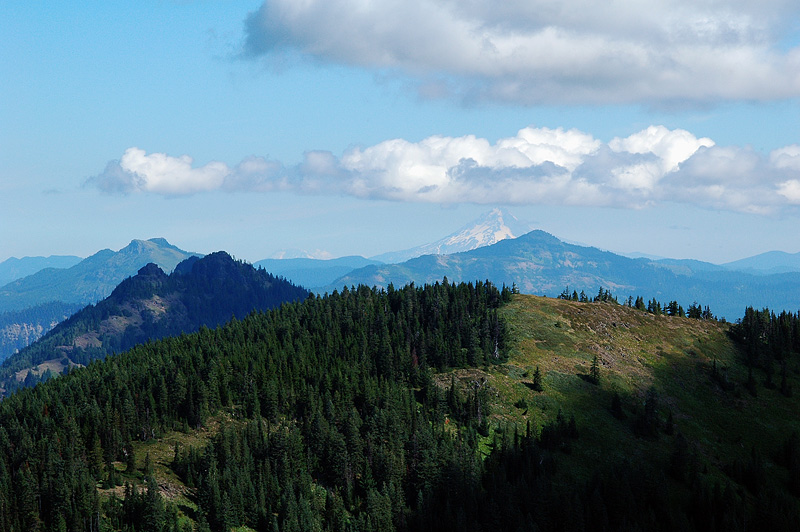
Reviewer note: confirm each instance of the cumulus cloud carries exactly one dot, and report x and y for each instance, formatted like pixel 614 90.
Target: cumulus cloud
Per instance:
pixel 159 173
pixel 539 51
pixel 535 166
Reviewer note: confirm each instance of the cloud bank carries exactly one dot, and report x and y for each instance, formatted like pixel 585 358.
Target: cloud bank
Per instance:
pixel 536 166
pixel 664 52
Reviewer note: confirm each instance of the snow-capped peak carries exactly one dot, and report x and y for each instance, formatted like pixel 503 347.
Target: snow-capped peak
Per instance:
pixel 492 227
pixel 301 254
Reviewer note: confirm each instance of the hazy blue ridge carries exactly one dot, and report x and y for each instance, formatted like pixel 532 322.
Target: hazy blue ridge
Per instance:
pixel 313 273
pixel 91 279
pixel 768 263
pixel 539 263
pixel 13 268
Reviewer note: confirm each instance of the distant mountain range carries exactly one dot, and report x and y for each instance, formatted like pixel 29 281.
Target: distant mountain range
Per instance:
pixel 204 291
pixel 14 268
pixel 768 263
pixel 539 263
pixel 58 286
pixel 313 272
pixel 92 278
pixel 489 247
pixel 492 227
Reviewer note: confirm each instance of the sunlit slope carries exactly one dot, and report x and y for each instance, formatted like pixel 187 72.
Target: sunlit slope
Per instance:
pixel 636 352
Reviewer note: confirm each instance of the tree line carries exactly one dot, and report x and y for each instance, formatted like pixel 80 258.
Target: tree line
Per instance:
pixel 653 306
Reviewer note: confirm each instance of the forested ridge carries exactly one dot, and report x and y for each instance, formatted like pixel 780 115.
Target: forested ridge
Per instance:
pixel 372 409
pixel 327 387
pixel 151 305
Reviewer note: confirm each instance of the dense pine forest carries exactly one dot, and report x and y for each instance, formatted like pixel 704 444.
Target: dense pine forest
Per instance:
pixel 326 387
pixel 365 410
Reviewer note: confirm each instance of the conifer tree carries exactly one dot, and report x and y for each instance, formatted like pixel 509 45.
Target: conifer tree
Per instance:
pixel 537 380
pixel 594 372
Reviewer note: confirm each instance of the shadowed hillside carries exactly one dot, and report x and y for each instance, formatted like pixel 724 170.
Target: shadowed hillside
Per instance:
pixel 204 291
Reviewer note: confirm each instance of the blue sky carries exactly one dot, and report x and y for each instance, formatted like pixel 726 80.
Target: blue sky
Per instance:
pixel 349 127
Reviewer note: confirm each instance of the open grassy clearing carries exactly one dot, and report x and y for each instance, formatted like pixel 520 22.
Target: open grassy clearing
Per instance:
pixel 636 351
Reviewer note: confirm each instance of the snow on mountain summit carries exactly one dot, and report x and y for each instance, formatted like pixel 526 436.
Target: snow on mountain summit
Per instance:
pixel 492 227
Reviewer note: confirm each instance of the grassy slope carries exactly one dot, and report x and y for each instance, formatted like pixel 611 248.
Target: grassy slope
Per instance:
pixel 161 452
pixel 636 350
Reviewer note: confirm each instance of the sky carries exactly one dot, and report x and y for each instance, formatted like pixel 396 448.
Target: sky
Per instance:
pixel 352 127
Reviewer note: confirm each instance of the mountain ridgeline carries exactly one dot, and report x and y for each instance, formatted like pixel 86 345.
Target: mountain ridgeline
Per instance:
pixel 539 263
pixel 204 291
pixel 91 279
pixel 492 227
pixel 13 268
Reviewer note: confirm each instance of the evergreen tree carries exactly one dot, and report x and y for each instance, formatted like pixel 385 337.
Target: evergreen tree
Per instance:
pixel 594 371
pixel 537 380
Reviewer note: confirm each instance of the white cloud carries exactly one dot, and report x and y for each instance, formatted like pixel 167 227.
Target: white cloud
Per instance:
pixel 535 166
pixel 787 157
pixel 790 190
pixel 539 51
pixel 671 146
pixel 163 174
pixel 136 171
pixel 159 173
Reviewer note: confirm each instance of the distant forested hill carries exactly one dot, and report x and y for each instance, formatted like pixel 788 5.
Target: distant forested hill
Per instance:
pixel 204 291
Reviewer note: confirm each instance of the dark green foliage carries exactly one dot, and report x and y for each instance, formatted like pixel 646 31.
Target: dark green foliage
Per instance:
pixel 648 423
pixel 327 383
pixel 767 337
pixel 537 380
pixel 720 375
pixel 653 306
pixel 594 371
pixel 616 406
pixel 751 384
pixel 603 296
